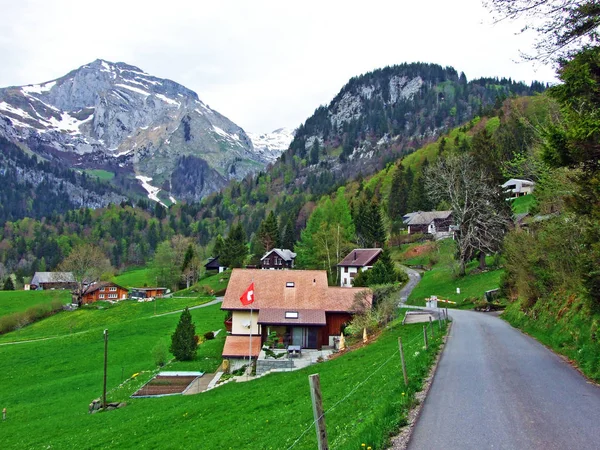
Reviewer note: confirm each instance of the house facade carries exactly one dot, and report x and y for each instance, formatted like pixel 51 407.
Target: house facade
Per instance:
pixel 278 258
pixel 104 291
pixel 296 305
pixel 358 260
pixel 436 223
pixel 516 187
pixel 52 280
pixel 214 264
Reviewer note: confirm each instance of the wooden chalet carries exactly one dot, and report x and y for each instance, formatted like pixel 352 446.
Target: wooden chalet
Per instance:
pixel 52 280
pixel 278 258
pixel 104 291
pixel 358 260
pixel 297 305
pixel 149 293
pixel 429 222
pixel 213 264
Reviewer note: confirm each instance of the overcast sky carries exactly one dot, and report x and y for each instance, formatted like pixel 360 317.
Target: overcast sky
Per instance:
pixel 263 64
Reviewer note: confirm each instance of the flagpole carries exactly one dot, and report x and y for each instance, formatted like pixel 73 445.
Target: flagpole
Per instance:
pixel 250 347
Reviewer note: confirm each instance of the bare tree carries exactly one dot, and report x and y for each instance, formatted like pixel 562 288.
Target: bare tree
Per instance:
pixel 563 26
pixel 88 264
pixel 479 210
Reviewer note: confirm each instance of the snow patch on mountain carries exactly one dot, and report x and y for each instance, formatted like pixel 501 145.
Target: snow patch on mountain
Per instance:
pixel 270 146
pixel 152 190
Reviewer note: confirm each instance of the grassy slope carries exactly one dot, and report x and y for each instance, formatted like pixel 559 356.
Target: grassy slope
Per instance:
pixel 136 278
pixel 103 175
pixel 523 204
pixel 14 301
pixel 49 384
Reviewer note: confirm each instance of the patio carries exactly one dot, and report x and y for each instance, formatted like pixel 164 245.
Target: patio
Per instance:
pixel 290 361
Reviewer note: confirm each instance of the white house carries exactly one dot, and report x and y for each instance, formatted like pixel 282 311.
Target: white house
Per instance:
pixel 517 188
pixel 359 259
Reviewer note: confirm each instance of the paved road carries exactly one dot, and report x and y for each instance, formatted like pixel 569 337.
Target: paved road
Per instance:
pixel 413 279
pixel 497 388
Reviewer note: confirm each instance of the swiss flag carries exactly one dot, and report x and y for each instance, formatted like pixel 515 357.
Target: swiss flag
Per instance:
pixel 248 296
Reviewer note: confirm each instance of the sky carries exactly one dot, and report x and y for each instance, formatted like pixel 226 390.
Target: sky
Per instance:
pixel 263 64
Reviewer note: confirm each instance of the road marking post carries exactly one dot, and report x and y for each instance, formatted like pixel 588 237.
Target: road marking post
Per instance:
pixel 318 414
pixel 402 361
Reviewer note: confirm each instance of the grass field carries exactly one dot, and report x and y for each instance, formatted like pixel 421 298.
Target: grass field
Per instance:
pixel 523 204
pixel 104 175
pixel 47 386
pixel 15 301
pixel 136 278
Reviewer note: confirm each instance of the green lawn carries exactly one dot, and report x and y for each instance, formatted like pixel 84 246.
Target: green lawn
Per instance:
pixel 136 278
pixel 210 285
pixel 15 301
pixel 523 204
pixel 103 175
pixel 47 386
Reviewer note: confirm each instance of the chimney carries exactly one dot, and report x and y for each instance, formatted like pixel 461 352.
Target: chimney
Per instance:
pixel 354 257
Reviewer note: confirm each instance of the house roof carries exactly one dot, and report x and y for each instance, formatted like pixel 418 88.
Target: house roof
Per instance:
pixel 360 257
pixel 284 253
pixel 52 277
pixel 146 289
pixel 213 263
pixel 99 285
pixel 285 289
pixel 238 346
pixel 518 182
pixel 426 217
pixel 277 316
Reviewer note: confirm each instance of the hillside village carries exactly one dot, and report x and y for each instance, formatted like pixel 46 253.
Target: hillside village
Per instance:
pixel 419 224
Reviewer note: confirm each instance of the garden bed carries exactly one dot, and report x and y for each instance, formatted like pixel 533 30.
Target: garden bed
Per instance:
pixel 168 383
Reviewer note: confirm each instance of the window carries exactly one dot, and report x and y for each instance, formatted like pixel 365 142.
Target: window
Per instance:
pixel 346 269
pixel 101 296
pixel 112 296
pixel 289 284
pixel 101 289
pixel 291 314
pixel 266 263
pixel 113 289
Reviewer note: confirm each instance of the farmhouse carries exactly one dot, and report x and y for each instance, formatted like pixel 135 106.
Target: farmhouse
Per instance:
pixel 147 293
pixel 358 260
pixel 297 305
pixel 278 258
pixel 104 290
pixel 214 264
pixel 436 223
pixel 53 280
pixel 517 188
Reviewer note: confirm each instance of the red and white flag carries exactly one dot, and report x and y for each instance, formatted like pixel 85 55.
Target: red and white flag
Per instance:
pixel 247 297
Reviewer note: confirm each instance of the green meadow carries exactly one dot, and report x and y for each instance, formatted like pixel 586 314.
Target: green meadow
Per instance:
pixel 48 384
pixel 16 301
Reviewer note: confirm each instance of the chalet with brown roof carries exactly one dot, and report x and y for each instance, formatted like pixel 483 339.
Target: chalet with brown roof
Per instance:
pixel 104 291
pixel 147 293
pixel 357 260
pixel 297 305
pixel 52 280
pixel 436 223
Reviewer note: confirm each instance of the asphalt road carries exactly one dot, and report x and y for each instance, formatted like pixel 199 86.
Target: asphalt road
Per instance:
pixel 413 279
pixel 496 388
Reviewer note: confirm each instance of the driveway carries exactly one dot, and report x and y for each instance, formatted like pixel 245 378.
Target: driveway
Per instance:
pixel 498 388
pixel 413 279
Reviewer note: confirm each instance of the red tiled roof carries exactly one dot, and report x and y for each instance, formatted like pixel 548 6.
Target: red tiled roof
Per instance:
pixel 309 291
pixel 360 257
pixel 276 316
pixel 238 346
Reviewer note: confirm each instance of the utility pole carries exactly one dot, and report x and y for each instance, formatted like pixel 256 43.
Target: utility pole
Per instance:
pixel 105 368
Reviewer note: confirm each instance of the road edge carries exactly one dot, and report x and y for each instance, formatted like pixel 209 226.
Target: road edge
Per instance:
pixel 401 440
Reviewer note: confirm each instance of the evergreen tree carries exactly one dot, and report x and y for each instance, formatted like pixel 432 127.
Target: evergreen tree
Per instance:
pixel 218 247
pixel 314 152
pixel 268 232
pixel 189 255
pixel 397 199
pixel 289 239
pixel 8 284
pixel 382 272
pixel 235 249
pixel 370 230
pixel 183 340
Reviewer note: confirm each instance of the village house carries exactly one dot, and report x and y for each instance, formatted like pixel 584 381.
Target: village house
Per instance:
pixel 296 305
pixel 358 260
pixel 52 280
pixel 104 291
pixel 213 264
pixel 517 188
pixel 278 258
pixel 147 293
pixel 436 223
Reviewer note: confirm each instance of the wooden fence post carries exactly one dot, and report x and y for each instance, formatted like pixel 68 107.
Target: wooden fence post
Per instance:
pixel 317 403
pixel 425 337
pixel 402 361
pixel 105 368
pixel 431 326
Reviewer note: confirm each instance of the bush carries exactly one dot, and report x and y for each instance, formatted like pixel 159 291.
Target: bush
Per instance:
pixel 183 342
pixel 160 354
pixel 20 319
pixel 209 335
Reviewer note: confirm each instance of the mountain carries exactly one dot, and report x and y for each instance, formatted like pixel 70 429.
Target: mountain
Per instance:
pixel 118 118
pixel 271 145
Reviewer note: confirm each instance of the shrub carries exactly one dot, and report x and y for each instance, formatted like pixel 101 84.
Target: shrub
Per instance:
pixel 209 335
pixel 160 354
pixel 183 342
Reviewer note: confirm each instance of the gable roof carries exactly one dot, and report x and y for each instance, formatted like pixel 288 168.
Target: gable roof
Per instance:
pixel 238 346
pixel 360 257
pixel 52 277
pixel 310 291
pixel 426 217
pixel 518 182
pixel 277 316
pixel 100 284
pixel 213 263
pixel 284 253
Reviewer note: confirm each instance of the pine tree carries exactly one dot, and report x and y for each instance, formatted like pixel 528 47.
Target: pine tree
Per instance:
pixel 235 249
pixel 268 232
pixel 183 340
pixel 289 239
pixel 8 284
pixel 218 247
